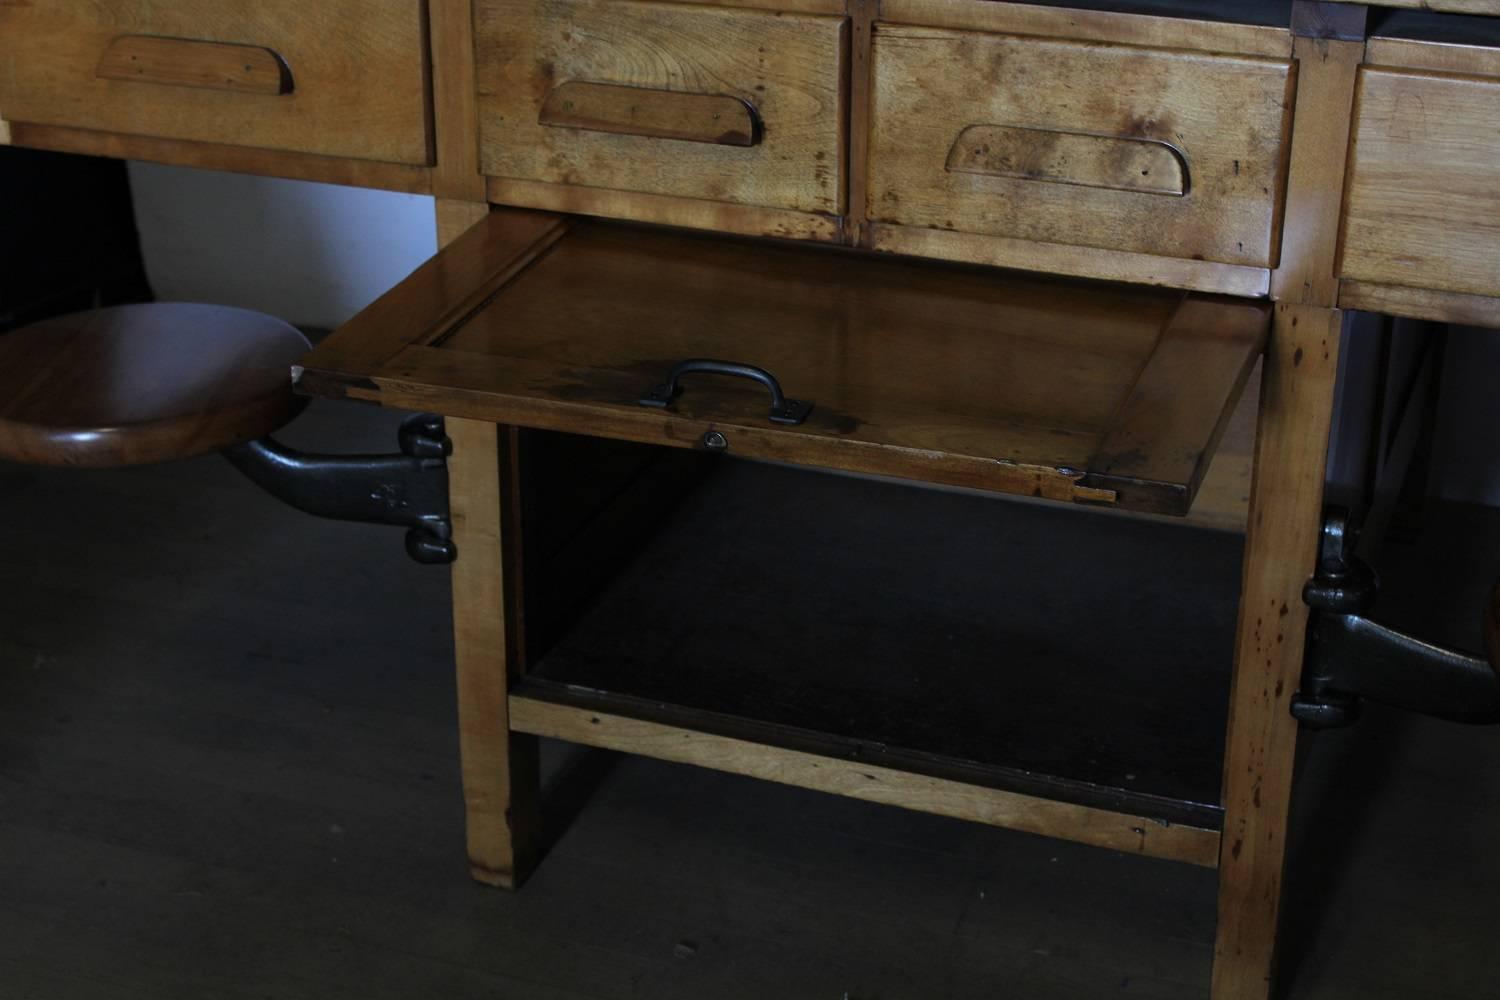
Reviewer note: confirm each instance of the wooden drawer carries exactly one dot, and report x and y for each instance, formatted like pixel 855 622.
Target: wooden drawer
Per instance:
pixel 1422 203
pixel 1074 391
pixel 1077 142
pixel 723 105
pixel 341 78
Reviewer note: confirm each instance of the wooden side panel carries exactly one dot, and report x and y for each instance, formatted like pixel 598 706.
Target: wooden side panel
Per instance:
pixel 651 112
pixel 1280 549
pixel 356 73
pixel 175 62
pixel 1221 120
pixel 1478 59
pixel 787 67
pixel 1424 182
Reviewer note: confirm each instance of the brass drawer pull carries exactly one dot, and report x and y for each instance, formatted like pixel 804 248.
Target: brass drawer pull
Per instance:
pixel 1118 163
pixel 718 119
pixel 783 410
pixel 186 62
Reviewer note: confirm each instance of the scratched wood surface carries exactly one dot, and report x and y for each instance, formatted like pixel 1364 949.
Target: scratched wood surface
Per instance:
pixel 1297 392
pixel 916 370
pixel 1424 182
pixel 1222 120
pixel 358 73
pixel 788 67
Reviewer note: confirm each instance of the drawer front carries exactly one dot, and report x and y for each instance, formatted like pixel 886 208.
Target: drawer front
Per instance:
pixel 1422 207
pixel 342 78
pixel 1173 153
pixel 722 104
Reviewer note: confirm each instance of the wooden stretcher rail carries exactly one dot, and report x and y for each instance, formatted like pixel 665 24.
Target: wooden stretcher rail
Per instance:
pixel 1101 828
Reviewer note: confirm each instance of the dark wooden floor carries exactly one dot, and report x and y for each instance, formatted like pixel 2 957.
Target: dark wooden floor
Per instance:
pixel 228 769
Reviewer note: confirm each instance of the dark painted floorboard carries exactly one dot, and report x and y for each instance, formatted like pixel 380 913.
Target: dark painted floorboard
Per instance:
pixel 228 768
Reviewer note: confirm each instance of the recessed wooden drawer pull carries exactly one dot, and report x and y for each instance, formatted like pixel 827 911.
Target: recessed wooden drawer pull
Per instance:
pixel 658 114
pixel 1118 163
pixel 783 410
pixel 186 62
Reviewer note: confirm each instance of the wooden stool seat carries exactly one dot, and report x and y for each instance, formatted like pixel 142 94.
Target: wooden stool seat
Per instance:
pixel 144 383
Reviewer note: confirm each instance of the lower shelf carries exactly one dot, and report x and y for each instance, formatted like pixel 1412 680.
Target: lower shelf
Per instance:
pixel 1002 661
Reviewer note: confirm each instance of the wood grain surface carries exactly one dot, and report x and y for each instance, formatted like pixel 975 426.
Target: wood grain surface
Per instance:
pixel 916 370
pixel 178 62
pixel 455 172
pixel 651 112
pixel 1326 73
pixel 1227 118
pixel 1060 157
pixel 137 384
pixel 789 67
pixel 1297 390
pixel 1424 182
pixel 360 71
pixel 500 776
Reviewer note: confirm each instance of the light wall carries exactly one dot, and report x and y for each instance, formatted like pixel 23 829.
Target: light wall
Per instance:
pixel 313 254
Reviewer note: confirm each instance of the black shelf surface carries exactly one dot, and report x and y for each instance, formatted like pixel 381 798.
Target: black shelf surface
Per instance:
pixel 1079 656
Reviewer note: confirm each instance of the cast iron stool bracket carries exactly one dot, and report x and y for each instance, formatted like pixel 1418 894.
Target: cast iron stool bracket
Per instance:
pixel 1351 658
pixel 409 489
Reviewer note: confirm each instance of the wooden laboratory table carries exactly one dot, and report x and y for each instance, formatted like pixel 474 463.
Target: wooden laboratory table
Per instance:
pixel 1035 249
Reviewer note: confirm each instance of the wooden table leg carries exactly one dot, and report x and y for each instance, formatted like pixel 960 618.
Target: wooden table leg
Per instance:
pixel 500 768
pixel 1280 551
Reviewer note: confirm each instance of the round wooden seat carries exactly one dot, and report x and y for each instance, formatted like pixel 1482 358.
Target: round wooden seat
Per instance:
pixel 144 383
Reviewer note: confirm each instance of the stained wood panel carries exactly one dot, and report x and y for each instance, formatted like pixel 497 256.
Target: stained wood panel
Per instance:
pixel 1423 194
pixel 1065 390
pixel 351 80
pixel 1221 120
pixel 788 68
